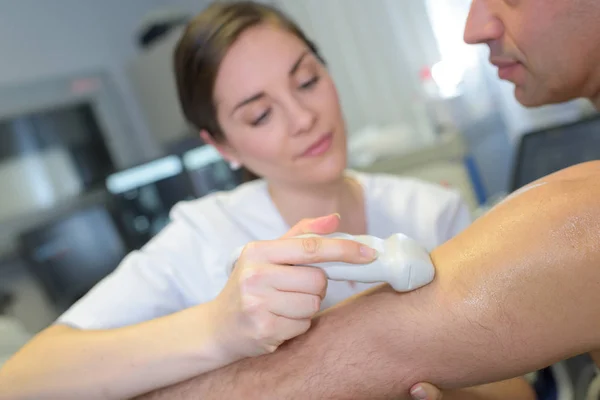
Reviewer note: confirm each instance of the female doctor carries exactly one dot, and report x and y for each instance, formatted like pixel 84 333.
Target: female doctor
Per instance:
pixel 258 91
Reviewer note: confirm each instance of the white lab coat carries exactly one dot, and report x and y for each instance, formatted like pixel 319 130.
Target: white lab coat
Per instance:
pixel 186 263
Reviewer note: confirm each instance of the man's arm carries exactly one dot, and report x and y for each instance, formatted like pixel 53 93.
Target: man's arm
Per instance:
pixel 516 291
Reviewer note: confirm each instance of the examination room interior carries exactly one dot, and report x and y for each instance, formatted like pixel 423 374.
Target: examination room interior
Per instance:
pixel 94 150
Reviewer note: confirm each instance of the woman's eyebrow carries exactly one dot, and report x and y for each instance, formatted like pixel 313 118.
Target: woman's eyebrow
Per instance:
pixel 250 99
pixel 260 95
pixel 298 62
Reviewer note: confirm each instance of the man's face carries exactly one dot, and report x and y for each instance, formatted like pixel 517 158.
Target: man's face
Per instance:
pixel 550 49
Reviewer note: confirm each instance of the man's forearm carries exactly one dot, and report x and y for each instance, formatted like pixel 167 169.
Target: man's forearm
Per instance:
pixel 513 293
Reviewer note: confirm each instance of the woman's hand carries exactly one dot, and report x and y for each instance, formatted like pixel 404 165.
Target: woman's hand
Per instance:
pixel 270 296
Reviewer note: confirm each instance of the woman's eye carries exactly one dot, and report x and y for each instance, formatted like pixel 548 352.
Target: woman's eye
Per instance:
pixel 262 119
pixel 310 83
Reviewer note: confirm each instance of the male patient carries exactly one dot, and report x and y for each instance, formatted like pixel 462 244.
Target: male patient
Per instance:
pixel 517 291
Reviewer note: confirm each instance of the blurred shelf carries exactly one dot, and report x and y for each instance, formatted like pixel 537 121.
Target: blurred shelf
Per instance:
pixel 441 163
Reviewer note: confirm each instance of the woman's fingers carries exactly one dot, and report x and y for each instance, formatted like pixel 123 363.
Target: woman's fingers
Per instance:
pixel 286 328
pixel 309 250
pixel 264 278
pixel 299 279
pixel 294 305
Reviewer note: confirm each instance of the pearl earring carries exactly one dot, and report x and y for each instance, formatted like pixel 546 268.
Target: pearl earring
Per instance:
pixel 234 165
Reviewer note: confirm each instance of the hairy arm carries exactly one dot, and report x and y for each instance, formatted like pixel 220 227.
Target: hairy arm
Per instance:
pixel 515 292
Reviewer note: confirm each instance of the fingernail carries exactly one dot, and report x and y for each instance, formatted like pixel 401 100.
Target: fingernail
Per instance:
pixel 418 393
pixel 325 218
pixel 368 252
pixel 318 222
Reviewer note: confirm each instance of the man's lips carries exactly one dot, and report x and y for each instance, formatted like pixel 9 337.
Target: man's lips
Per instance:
pixel 506 67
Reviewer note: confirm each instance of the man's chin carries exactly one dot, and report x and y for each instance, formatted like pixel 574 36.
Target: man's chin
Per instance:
pixel 532 100
pixel 538 98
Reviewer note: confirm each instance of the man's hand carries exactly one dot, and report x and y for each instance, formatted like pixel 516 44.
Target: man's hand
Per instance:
pixel 425 391
pixel 513 389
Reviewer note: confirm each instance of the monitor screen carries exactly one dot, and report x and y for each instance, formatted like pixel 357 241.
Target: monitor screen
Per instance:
pixel 546 151
pixel 145 194
pixel 208 171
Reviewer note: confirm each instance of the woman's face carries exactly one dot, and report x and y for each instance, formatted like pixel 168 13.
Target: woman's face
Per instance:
pixel 279 109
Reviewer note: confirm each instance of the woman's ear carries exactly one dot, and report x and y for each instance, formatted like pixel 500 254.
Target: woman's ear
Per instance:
pixel 224 150
pixel 207 138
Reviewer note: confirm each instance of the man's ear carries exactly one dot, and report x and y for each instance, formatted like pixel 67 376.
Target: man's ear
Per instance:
pixel 224 150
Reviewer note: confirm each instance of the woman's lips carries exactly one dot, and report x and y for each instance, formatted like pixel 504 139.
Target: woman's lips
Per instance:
pixel 319 147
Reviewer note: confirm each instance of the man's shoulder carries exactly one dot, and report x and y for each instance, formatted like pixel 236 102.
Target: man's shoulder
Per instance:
pixel 589 169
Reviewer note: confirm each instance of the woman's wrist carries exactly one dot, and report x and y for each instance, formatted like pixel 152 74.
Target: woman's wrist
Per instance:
pixel 207 339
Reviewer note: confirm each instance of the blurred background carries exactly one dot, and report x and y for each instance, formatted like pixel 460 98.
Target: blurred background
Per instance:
pixel 94 150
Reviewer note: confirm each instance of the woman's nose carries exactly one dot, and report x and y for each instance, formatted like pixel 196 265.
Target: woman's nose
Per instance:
pixel 302 118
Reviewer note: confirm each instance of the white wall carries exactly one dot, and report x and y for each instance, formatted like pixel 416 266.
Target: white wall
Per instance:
pixel 195 6
pixel 191 6
pixel 42 39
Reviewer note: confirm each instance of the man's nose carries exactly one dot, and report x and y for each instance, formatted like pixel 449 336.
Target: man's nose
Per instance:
pixel 482 24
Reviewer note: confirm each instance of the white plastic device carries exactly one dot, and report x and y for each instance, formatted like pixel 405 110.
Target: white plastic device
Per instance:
pixel 402 262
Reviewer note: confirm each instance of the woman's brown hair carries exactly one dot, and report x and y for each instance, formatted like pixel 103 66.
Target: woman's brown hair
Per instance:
pixel 201 49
